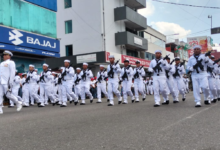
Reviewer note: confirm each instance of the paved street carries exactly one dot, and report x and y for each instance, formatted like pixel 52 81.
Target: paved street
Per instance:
pixel 121 127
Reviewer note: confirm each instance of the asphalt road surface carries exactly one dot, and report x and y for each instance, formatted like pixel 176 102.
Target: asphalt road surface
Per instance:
pixel 137 126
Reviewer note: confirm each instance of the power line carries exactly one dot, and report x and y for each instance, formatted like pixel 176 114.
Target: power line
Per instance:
pixel 186 4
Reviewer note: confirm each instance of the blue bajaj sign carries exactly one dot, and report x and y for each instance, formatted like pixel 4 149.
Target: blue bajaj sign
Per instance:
pixel 28 40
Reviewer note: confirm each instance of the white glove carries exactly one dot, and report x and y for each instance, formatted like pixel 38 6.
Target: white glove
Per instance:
pixel 114 66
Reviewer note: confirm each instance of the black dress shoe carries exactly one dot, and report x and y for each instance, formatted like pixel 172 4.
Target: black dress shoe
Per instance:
pixel 132 101
pixel 156 105
pixel 91 101
pixel 108 100
pixel 136 101
pixel 40 106
pixel 62 105
pixel 71 102
pixel 184 99
pixel 167 102
pixel 11 106
pixel 25 106
pixel 143 99
pixel 82 104
pixel 119 102
pixel 110 105
pixel 175 102
pixel 98 102
pixel 218 99
pixel 75 103
pixel 58 104
pixel 206 103
pixel 214 101
pixel 124 103
pixel 198 106
pixel 54 104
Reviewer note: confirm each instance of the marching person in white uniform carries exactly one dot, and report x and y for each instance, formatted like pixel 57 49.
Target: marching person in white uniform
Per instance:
pixel 45 86
pixel 86 76
pixel 15 88
pixel 126 79
pixel 178 78
pixel 139 86
pixel 186 81
pixel 171 83
pixel 7 75
pixel 25 91
pixel 77 83
pixel 101 83
pixel 113 71
pixel 197 65
pixel 151 86
pixel 158 67
pixel 67 84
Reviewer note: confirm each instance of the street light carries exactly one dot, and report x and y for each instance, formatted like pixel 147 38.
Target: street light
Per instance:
pixel 209 16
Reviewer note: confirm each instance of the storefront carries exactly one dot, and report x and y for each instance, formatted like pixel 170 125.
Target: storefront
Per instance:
pixel 28 48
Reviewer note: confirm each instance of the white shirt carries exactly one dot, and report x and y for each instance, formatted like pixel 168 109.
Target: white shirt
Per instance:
pixel 163 65
pixel 77 76
pixel 33 77
pixel 69 73
pixel 129 71
pixel 88 75
pixel 47 76
pixel 103 75
pixel 7 72
pixel 141 73
pixel 116 72
pixel 17 82
pixel 180 71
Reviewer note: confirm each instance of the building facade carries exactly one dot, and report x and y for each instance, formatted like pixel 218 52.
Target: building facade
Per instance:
pixel 89 30
pixel 28 29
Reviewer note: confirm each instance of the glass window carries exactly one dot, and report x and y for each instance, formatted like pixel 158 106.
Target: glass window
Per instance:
pixel 149 56
pixel 68 3
pixel 132 53
pixel 69 50
pixel 68 26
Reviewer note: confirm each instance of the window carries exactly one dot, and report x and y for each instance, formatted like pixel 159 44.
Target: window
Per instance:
pixel 149 56
pixel 68 26
pixel 68 3
pixel 69 50
pixel 132 53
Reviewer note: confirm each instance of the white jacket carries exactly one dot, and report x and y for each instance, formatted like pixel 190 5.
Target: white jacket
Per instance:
pixel 88 76
pixel 129 73
pixel 7 72
pixel 17 82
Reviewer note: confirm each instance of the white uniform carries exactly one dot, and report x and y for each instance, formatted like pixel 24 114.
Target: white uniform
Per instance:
pixel 7 75
pixel 67 85
pixel 46 88
pixel 159 79
pixel 86 76
pixel 59 84
pixel 171 83
pixel 77 83
pixel 212 70
pixel 186 81
pixel 200 78
pixel 178 78
pixel 15 87
pixel 25 92
pixel 150 87
pixel 101 85
pixel 139 86
pixel 113 82
pixel 127 83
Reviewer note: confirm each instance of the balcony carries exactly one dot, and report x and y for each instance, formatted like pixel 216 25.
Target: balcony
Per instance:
pixel 131 41
pixel 132 19
pixel 136 4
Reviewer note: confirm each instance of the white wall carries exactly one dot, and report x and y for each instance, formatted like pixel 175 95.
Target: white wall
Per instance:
pixel 86 18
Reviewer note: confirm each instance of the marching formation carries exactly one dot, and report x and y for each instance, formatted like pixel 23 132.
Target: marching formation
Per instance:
pixel 162 78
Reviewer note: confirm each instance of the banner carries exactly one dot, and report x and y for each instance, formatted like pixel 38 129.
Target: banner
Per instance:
pixel 132 60
pixel 200 40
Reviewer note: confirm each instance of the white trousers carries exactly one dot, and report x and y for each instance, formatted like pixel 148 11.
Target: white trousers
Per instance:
pixel 46 89
pixel 85 90
pixel 67 89
pixel 172 88
pixel 180 86
pixel 101 88
pixel 77 89
pixel 60 93
pixel 9 95
pixel 218 87
pixel 139 87
pixel 15 93
pixel 159 86
pixel 127 90
pixel 200 81
pixel 213 88
pixel 113 88
pixel 33 88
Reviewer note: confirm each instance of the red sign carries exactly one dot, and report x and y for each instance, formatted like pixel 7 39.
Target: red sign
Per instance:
pixel 190 52
pixel 132 60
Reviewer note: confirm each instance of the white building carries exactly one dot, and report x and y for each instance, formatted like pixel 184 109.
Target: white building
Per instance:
pixel 91 30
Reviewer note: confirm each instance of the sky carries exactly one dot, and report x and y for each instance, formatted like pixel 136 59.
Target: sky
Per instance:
pixel 186 21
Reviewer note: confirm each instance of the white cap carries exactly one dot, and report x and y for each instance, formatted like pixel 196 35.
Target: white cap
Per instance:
pixel 85 64
pixel 67 60
pixel 62 68
pixel 31 65
pixel 8 52
pixel 54 73
pixel 46 65
pixel 24 74
pixel 101 65
pixel 177 58
pixel 197 46
pixel 158 51
pixel 212 56
pixel 126 60
pixel 78 68
pixel 137 61
pixel 111 56
pixel 36 69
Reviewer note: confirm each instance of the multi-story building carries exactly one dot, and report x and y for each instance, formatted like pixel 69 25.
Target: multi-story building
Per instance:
pixel 91 31
pixel 28 29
